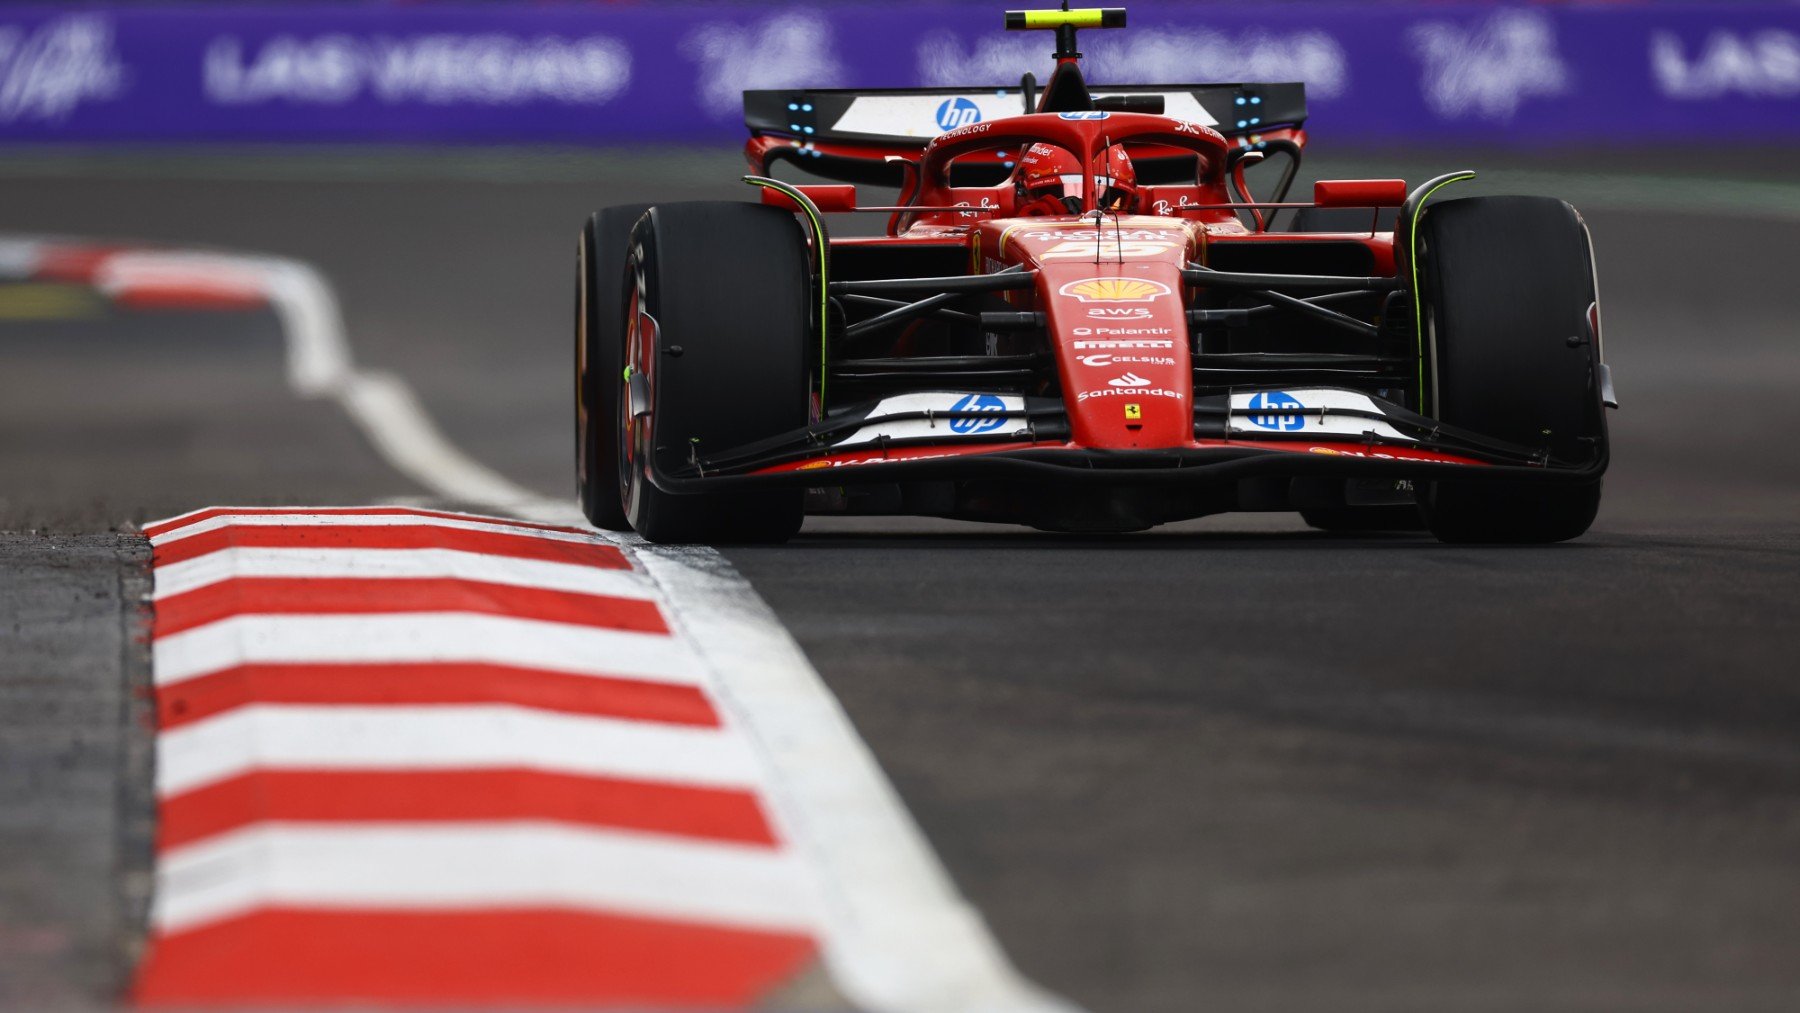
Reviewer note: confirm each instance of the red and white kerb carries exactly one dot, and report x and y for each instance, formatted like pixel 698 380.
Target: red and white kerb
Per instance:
pixel 415 757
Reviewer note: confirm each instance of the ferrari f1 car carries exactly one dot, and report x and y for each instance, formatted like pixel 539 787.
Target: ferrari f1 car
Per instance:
pixel 1080 318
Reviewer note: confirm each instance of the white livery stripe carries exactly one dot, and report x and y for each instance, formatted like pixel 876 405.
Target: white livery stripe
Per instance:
pixel 364 521
pixel 447 737
pixel 421 637
pixel 188 575
pixel 479 865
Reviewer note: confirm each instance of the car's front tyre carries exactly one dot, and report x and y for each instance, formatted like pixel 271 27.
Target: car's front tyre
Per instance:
pixel 1509 301
pixel 717 329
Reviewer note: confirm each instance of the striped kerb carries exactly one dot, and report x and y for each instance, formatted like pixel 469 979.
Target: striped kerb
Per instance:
pixel 411 757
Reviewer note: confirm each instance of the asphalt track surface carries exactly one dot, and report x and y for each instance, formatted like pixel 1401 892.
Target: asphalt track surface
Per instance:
pixel 1231 764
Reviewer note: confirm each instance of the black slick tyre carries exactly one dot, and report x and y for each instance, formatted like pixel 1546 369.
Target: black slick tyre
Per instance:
pixel 718 327
pixel 599 357
pixel 1507 285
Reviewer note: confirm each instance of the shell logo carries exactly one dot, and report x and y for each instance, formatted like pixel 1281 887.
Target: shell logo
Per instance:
pixel 1115 290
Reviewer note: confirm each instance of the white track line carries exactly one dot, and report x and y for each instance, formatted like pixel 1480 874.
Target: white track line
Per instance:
pixel 447 737
pixel 457 866
pixel 898 936
pixel 419 637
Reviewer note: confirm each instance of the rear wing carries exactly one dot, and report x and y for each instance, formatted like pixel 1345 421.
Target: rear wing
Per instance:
pixel 846 134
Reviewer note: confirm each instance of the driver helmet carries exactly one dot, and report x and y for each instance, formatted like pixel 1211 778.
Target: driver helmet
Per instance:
pixel 1050 181
pixel 1116 181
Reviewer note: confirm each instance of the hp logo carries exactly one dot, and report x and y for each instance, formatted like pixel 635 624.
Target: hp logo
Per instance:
pixel 977 403
pixel 957 112
pixel 1276 410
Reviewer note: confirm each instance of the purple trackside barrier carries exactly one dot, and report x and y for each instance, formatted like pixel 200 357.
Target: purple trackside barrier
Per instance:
pixel 597 74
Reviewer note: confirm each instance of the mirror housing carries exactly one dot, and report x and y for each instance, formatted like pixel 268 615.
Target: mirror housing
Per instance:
pixel 1359 193
pixel 830 198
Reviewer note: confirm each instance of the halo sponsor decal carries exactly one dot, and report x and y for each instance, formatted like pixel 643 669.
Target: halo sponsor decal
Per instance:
pixel 985 205
pixel 1085 115
pixel 1115 290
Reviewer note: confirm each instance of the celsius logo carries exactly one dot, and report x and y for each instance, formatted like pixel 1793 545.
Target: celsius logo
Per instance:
pixel 957 112
pixel 1274 409
pixel 977 403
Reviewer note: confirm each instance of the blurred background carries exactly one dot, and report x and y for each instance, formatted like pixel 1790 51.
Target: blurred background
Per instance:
pixel 1592 73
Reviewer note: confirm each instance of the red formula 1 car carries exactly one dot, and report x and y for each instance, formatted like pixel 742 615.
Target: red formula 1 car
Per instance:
pixel 1080 319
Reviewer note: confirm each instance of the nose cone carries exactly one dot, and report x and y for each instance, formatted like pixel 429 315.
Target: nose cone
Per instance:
pixel 1121 342
pixel 1112 300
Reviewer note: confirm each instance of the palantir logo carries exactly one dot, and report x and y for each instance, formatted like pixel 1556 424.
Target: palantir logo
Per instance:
pixel 1277 410
pixel 970 425
pixel 957 112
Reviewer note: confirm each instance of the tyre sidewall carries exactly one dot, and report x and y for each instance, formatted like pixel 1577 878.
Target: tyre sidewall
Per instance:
pixel 720 338
pixel 598 360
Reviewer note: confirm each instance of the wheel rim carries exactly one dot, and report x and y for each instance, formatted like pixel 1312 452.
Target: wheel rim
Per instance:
pixel 633 432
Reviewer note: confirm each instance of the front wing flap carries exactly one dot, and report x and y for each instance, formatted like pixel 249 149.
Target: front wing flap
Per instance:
pixel 937 435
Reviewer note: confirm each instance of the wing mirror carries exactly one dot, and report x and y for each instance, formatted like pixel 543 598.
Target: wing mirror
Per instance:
pixel 826 198
pixel 1359 193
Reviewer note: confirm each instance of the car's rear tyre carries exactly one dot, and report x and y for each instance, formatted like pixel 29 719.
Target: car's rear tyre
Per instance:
pixel 599 356
pixel 717 332
pixel 1352 519
pixel 1508 292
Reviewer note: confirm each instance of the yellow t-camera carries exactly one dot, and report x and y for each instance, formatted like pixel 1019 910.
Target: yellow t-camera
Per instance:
pixel 1080 17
